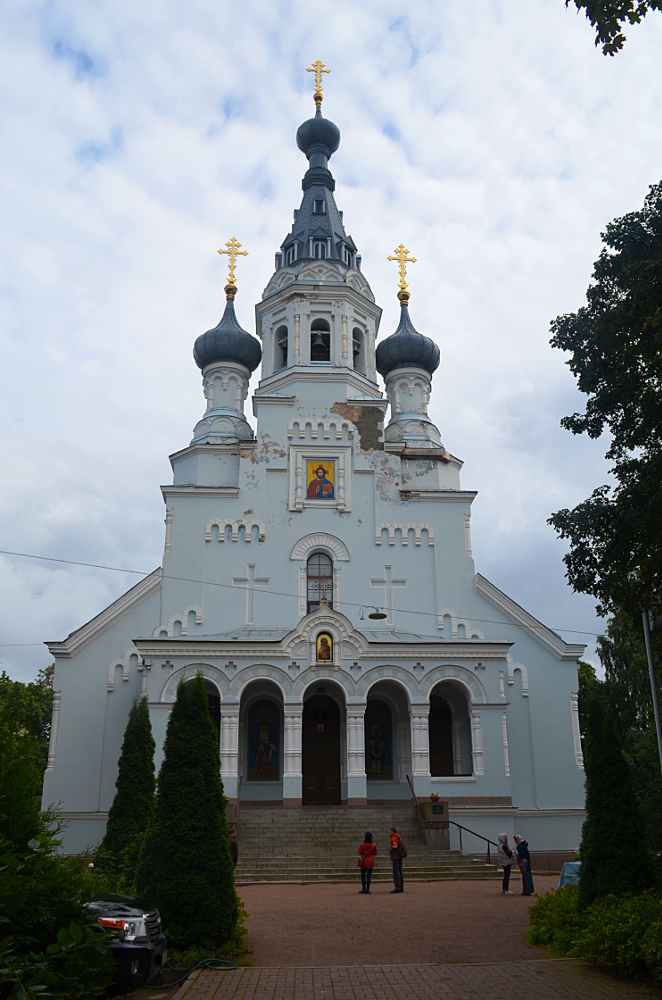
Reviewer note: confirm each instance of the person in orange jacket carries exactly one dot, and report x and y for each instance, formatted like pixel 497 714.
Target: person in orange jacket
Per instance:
pixel 367 851
pixel 396 858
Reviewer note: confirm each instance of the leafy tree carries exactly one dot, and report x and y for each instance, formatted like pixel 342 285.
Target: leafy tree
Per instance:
pixel 609 16
pixel 614 854
pixel 615 343
pixel 133 805
pixel 642 755
pixel 20 783
pixel 29 707
pixel 627 688
pixel 185 866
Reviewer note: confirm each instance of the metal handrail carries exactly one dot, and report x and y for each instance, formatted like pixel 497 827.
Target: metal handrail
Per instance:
pixel 458 825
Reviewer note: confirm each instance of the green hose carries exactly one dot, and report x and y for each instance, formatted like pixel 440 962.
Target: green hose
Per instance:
pixel 216 964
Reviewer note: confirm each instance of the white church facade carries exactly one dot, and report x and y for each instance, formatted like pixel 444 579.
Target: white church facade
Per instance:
pixel 280 544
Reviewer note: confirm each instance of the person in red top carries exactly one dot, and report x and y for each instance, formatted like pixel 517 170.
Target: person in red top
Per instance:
pixel 367 852
pixel 398 877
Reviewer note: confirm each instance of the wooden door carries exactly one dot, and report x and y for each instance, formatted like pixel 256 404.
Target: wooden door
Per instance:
pixel 441 738
pixel 321 752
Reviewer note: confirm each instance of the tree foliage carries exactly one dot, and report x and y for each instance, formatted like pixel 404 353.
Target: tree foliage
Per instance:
pixel 614 853
pixel 133 806
pixel 615 345
pixel 185 866
pixel 28 707
pixel 609 16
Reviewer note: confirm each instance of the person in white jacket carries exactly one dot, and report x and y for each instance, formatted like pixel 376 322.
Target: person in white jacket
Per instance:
pixel 505 856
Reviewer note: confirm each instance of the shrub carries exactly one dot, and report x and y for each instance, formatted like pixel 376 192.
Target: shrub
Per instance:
pixel 615 856
pixel 20 782
pixel 133 805
pixel 185 866
pixel 556 920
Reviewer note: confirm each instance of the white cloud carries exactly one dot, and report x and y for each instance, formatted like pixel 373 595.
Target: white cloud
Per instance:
pixel 491 137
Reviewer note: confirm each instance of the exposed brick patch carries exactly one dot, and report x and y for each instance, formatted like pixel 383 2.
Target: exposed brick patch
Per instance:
pixel 368 420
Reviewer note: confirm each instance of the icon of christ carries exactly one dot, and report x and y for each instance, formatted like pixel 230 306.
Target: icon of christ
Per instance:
pixel 320 487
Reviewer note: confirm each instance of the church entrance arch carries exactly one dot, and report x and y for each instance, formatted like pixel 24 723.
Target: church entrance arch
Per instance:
pixel 321 751
pixel 449 731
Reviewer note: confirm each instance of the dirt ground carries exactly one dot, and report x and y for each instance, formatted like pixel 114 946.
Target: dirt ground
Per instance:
pixel 443 922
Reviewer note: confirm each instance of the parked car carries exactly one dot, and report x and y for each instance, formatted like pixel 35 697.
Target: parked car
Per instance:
pixel 139 944
pixel 570 873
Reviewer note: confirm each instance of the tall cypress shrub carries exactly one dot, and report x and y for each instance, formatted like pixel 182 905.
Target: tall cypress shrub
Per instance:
pixel 185 866
pixel 614 854
pixel 133 805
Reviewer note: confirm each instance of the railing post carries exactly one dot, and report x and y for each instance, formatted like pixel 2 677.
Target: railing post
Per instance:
pixel 460 829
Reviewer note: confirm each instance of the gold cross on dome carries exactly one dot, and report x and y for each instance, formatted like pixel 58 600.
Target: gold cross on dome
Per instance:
pixel 233 252
pixel 318 68
pixel 400 254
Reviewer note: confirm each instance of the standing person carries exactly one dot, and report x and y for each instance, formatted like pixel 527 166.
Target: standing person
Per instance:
pixel 524 861
pixel 398 852
pixel 367 851
pixel 234 847
pixel 505 856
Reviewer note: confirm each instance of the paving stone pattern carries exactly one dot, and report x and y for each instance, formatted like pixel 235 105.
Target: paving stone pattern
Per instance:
pixel 539 980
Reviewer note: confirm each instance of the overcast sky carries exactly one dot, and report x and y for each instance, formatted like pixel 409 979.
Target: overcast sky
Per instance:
pixel 491 138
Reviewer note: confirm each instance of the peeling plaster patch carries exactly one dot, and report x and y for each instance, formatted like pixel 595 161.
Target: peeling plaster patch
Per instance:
pixel 266 450
pixel 368 420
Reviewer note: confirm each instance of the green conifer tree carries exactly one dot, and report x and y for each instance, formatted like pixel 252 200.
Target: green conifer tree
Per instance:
pixel 185 866
pixel 133 805
pixel 614 854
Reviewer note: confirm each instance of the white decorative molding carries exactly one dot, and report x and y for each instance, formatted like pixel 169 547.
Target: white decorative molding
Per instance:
pixel 512 667
pixel 457 747
pixel 320 540
pixel 477 741
pixel 550 640
pixel 303 590
pixel 223 523
pixel 404 530
pixel 470 631
pixel 339 425
pixel 55 722
pixel 467 534
pixel 504 731
pixel 229 741
pixel 576 734
pixel 182 618
pixel 125 664
pixel 109 617
pixel 251 583
pixel 292 754
pixel 170 513
pixel 420 741
pixel 355 741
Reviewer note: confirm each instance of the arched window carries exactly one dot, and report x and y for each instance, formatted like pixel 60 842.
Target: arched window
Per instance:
pixel 441 737
pixel 320 580
pixel 290 255
pixel 263 741
pixel 320 341
pixel 280 359
pixel 358 350
pixel 319 249
pixel 378 741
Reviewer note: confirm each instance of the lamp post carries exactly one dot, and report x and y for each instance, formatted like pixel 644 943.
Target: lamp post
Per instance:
pixel 651 671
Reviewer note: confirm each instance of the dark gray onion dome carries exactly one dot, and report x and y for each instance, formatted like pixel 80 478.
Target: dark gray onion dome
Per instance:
pixel 318 135
pixel 407 348
pixel 227 342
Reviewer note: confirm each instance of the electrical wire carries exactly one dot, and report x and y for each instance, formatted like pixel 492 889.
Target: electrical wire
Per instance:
pixel 270 593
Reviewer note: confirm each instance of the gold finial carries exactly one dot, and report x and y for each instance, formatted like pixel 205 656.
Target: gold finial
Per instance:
pixel 318 68
pixel 400 254
pixel 233 252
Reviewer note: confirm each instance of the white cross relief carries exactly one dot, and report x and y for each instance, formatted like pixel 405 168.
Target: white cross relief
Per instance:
pixel 388 585
pixel 251 583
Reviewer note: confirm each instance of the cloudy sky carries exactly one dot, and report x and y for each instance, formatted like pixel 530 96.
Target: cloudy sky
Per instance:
pixel 491 137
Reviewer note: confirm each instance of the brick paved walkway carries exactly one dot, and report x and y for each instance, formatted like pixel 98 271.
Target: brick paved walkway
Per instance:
pixel 538 980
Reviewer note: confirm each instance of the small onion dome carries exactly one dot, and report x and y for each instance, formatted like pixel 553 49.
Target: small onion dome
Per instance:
pixel 318 135
pixel 407 348
pixel 227 342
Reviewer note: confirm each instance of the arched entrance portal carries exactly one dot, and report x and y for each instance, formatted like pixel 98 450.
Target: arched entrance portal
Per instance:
pixel 321 752
pixel 441 737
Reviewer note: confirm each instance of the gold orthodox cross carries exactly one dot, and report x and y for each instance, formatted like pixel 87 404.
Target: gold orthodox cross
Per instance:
pixel 400 254
pixel 233 252
pixel 318 68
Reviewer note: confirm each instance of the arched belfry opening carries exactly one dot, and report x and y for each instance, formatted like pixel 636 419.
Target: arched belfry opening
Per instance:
pixel 319 572
pixel 320 340
pixel 280 351
pixel 358 350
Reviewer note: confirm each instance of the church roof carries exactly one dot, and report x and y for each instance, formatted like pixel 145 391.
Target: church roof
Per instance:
pixel 407 348
pixel 227 342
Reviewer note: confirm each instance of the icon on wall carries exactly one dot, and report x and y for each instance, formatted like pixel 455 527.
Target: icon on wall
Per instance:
pixel 320 478
pixel 324 648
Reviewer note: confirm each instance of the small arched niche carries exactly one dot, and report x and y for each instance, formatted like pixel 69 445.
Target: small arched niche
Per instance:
pixel 449 731
pixel 280 348
pixel 320 340
pixel 358 350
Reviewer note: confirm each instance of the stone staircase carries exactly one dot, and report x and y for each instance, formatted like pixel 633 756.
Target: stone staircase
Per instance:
pixel 320 844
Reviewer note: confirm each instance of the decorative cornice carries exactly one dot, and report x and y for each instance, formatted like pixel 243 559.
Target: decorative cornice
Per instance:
pixel 199 491
pixel 112 614
pixel 550 640
pixel 437 496
pixel 386 652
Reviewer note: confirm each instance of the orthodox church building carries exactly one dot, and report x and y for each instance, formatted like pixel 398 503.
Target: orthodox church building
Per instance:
pixel 319 574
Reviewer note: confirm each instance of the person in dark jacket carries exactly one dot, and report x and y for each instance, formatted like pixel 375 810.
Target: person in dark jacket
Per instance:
pixel 396 858
pixel 367 851
pixel 505 855
pixel 234 849
pixel 524 862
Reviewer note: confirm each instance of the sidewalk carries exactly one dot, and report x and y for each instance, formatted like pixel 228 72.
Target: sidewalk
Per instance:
pixel 538 980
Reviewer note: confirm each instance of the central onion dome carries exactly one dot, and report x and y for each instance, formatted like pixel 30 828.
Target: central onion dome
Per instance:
pixel 227 342
pixel 407 348
pixel 318 135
